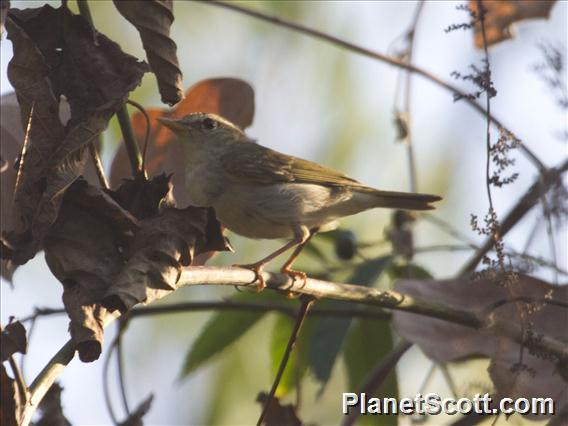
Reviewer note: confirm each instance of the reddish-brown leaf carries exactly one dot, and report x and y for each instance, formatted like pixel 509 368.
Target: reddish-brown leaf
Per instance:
pixel 502 14
pixel 228 97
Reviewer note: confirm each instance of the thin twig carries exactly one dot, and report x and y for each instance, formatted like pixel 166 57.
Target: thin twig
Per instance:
pixel 307 302
pixel 106 386
pixel 98 165
pixel 408 94
pixel 228 305
pixel 449 229
pixel 85 12
pixel 24 152
pixel 142 110
pixel 19 379
pixel 375 55
pixel 132 148
pixel 541 185
pixel 487 86
pixel 120 369
pixel 549 232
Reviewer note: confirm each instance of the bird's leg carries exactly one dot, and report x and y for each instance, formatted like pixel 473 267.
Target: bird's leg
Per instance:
pixel 286 268
pixel 302 236
pixel 257 266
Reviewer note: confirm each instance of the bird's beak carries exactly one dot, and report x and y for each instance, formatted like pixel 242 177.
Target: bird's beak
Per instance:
pixel 172 123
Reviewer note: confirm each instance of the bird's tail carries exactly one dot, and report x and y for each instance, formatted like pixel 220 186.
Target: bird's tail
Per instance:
pixel 400 200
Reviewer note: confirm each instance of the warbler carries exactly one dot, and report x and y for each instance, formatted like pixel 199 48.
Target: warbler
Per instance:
pixel 257 192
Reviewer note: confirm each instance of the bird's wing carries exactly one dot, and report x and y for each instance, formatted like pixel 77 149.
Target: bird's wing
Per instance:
pixel 258 164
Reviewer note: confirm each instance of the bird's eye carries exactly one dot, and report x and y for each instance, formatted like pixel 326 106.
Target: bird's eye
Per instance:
pixel 209 124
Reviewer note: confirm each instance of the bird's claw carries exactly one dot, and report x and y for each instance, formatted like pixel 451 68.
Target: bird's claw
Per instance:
pixel 294 275
pixel 260 283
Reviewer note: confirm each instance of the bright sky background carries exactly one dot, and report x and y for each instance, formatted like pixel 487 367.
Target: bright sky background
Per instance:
pixel 298 110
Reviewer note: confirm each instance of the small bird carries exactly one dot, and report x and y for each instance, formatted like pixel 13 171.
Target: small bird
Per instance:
pixel 257 192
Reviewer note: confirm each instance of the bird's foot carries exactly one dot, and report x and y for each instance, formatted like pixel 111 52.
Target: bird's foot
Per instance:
pixel 294 275
pixel 259 282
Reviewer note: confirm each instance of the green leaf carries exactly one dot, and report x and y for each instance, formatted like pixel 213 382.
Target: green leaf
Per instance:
pixel 368 343
pixel 297 363
pixel 223 329
pixel 409 270
pixel 330 333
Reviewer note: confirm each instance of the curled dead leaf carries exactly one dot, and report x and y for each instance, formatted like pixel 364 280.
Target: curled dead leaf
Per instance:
pixel 13 339
pixel 112 250
pixel 153 20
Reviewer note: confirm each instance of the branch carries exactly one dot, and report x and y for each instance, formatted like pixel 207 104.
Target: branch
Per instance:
pixel 542 184
pixel 235 276
pixel 229 305
pixel 378 56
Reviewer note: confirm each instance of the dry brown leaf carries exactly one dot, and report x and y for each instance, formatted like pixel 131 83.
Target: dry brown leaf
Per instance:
pixel 164 244
pixel 116 249
pixel 502 14
pixel 278 414
pixel 51 409
pixel 13 339
pixel 4 6
pixel 153 19
pixel 135 418
pixel 58 54
pixel 11 138
pixel 229 97
pixel 10 407
pixel 82 251
pixel 11 142
pixel 442 341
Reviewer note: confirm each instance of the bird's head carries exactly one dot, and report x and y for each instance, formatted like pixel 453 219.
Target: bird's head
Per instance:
pixel 203 126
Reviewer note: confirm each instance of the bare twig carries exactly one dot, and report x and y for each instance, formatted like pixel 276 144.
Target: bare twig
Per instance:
pixel 542 184
pixel 98 165
pixel 408 94
pixel 106 386
pixel 120 369
pixel 228 305
pixel 375 55
pixel 148 129
pixel 85 12
pixel 307 302
pixel 19 378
